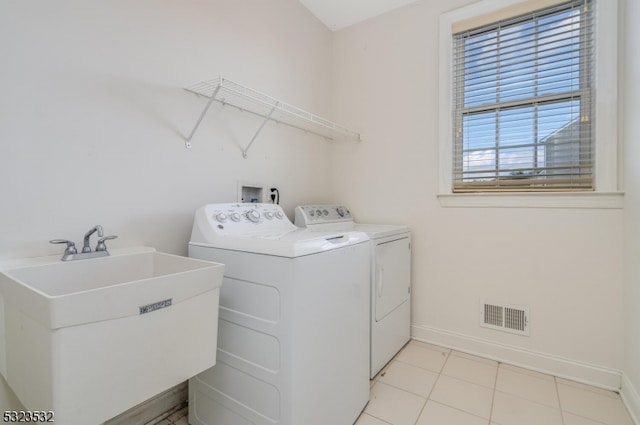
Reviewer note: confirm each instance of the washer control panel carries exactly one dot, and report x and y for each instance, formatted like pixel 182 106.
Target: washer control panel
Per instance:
pixel 238 218
pixel 321 214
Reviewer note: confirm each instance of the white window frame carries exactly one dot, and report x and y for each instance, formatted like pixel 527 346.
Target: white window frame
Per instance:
pixel 607 193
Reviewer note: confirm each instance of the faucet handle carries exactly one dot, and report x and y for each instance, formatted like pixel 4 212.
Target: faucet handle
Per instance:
pixel 101 245
pixel 71 247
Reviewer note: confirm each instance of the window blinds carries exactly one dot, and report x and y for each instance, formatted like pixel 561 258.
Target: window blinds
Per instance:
pixel 523 98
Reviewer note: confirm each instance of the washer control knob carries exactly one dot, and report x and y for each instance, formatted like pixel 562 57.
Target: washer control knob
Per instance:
pixel 221 217
pixel 253 216
pixel 342 211
pixel 319 213
pixel 312 213
pixel 268 215
pixel 325 213
pixel 279 215
pixel 235 217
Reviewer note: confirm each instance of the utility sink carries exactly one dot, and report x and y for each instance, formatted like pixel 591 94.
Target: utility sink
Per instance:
pixel 89 339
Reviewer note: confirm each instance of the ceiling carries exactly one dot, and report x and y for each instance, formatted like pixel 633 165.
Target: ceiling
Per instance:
pixel 338 14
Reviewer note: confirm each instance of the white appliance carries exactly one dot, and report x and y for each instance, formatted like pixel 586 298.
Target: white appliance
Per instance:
pixel 293 336
pixel 390 276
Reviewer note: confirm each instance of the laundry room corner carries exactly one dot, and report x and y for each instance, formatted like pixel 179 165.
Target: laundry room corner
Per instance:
pixel 551 259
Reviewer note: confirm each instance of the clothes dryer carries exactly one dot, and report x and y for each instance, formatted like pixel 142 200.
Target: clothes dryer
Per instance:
pixel 390 262
pixel 293 337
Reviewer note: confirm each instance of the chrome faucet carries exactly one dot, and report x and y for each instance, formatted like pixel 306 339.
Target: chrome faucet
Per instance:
pixel 86 248
pixel 71 253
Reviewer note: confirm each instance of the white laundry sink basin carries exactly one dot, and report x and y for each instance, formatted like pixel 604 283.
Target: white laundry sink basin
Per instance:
pixel 90 339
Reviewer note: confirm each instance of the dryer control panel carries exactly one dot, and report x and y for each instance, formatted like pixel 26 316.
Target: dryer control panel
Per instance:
pixel 321 214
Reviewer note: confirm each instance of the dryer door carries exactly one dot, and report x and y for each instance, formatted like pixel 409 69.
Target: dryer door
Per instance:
pixel 392 276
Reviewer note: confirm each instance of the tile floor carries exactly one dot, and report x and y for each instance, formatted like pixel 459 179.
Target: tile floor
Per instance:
pixel 430 385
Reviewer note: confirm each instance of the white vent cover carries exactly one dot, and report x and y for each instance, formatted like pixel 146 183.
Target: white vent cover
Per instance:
pixel 505 317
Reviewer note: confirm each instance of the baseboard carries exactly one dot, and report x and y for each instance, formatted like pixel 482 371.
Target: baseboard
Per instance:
pixel 155 407
pixel 542 362
pixel 631 399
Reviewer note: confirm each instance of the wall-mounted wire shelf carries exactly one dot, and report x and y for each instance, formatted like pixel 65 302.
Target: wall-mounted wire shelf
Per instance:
pixel 230 93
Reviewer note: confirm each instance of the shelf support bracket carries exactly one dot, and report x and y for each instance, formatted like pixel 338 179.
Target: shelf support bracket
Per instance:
pixel 267 118
pixel 204 112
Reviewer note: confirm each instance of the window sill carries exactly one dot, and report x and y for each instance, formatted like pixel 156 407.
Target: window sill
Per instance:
pixel 587 200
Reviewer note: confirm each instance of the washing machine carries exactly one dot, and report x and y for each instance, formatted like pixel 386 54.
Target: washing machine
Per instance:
pixel 390 259
pixel 293 328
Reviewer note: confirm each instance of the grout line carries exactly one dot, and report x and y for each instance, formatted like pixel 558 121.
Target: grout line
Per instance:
pixel 440 374
pixel 493 395
pixel 447 355
pixel 427 399
pixel 461 410
pixel 555 381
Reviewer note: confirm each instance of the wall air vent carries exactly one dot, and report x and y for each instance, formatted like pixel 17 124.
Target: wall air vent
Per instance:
pixel 505 317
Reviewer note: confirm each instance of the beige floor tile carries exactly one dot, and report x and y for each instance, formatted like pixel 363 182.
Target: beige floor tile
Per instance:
pixel 585 387
pixel 373 381
pixel 532 387
pixel 410 378
pixel 435 413
pixel 422 355
pixel 463 395
pixel 365 419
pixel 430 346
pixel 511 410
pixel 571 419
pixel 606 407
pixel 473 357
pixel 529 372
pixel 394 405
pixel 470 369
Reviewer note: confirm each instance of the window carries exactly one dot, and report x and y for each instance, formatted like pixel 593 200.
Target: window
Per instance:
pixel 523 91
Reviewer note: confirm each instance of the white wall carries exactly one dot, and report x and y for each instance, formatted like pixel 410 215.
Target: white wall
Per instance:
pixel 93 116
pixel 565 264
pixel 631 132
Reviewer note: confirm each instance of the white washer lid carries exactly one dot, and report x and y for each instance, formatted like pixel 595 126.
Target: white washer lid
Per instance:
pixel 277 237
pixel 294 244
